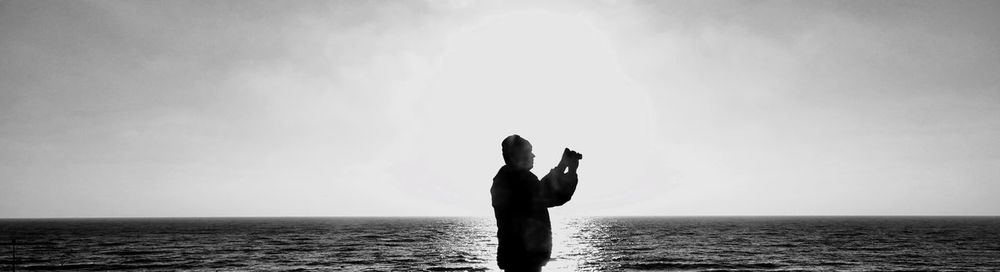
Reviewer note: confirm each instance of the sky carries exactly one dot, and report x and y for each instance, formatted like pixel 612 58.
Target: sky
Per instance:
pixel 378 108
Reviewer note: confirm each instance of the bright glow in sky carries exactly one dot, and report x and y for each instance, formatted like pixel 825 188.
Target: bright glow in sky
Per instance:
pixel 549 77
pixel 398 108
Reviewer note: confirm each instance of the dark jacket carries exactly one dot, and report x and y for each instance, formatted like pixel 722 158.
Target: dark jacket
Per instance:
pixel 520 204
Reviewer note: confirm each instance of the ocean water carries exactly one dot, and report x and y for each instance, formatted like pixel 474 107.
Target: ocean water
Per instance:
pixel 469 244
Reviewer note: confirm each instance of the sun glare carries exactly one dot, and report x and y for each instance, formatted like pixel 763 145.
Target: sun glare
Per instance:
pixel 548 76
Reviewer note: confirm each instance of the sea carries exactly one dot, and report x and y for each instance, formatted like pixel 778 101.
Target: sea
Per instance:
pixel 469 244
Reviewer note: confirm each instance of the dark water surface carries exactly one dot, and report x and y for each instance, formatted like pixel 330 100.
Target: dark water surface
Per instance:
pixel 469 244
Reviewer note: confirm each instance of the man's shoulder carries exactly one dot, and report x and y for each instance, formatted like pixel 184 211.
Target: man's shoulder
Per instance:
pixel 501 175
pixel 512 174
pixel 504 174
pixel 508 170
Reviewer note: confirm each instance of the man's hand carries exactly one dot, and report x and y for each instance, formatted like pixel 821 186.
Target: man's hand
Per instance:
pixel 570 159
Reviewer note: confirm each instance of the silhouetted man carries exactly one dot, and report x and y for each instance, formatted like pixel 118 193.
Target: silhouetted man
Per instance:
pixel 521 202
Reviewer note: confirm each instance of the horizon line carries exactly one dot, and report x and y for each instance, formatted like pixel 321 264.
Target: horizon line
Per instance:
pixel 472 216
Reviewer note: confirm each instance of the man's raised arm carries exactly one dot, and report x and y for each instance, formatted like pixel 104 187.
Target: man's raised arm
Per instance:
pixel 557 187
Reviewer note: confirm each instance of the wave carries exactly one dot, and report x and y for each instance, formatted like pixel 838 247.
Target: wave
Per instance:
pixel 689 266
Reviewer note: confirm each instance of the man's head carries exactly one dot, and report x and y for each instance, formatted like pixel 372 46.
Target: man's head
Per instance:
pixel 517 152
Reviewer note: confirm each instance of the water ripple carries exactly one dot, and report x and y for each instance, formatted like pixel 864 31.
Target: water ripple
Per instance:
pixel 469 244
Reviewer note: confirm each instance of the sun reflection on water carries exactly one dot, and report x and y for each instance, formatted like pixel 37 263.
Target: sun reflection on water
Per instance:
pixel 573 247
pixel 573 243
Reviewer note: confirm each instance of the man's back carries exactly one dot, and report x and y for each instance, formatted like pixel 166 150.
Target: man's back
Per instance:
pixel 523 228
